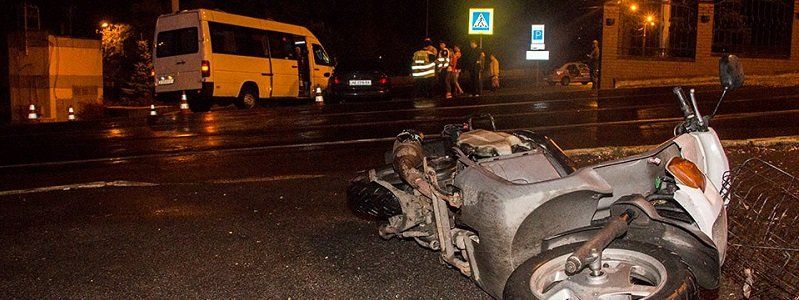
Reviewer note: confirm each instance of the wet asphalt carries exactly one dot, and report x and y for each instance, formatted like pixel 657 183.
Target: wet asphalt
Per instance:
pixel 251 203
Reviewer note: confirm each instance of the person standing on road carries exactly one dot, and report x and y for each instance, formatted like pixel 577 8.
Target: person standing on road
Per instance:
pixel 456 71
pixel 443 68
pixel 593 63
pixel 473 63
pixel 423 72
pixel 493 72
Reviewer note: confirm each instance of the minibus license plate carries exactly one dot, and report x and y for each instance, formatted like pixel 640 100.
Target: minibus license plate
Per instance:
pixel 360 82
pixel 166 80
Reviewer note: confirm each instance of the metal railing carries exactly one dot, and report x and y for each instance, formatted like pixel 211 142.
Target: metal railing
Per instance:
pixel 755 28
pixel 763 244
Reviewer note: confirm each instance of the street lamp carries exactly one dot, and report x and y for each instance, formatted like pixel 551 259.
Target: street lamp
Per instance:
pixel 633 7
pixel 648 21
pixel 104 24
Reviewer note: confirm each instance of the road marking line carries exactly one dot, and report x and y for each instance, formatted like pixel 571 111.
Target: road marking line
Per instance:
pixel 124 183
pixel 78 186
pixel 265 179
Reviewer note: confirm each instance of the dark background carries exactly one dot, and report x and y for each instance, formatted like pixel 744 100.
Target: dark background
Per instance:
pixel 354 29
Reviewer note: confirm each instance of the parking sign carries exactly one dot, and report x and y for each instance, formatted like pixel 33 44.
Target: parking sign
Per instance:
pixel 481 21
pixel 537 37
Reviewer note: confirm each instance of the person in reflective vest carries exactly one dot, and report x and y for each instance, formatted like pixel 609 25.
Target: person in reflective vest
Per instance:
pixel 423 72
pixel 443 69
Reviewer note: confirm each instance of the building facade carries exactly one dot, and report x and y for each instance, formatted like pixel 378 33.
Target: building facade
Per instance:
pixel 53 73
pixel 661 39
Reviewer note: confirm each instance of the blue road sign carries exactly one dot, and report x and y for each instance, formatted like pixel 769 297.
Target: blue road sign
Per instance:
pixel 481 21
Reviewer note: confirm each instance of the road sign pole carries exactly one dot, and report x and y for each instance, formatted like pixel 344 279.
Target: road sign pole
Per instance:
pixel 481 42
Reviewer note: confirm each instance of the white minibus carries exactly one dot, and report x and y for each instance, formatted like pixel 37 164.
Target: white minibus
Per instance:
pixel 216 57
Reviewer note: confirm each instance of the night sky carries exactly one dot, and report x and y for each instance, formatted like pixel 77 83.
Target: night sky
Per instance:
pixel 392 29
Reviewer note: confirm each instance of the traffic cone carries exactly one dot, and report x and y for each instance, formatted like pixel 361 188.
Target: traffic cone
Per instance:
pixel 184 103
pixel 319 97
pixel 32 115
pixel 71 113
pixel 152 110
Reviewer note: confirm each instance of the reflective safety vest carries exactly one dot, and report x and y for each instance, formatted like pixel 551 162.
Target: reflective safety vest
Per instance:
pixel 422 67
pixel 442 62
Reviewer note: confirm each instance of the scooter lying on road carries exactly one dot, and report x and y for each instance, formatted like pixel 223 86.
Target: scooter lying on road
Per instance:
pixel 509 210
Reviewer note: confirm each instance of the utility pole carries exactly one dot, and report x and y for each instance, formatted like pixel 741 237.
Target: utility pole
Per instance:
pixel 175 6
pixel 426 18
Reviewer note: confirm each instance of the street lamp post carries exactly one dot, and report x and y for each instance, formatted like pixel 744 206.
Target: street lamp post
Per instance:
pixel 650 20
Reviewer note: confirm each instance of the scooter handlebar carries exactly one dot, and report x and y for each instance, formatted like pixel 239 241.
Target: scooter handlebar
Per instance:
pixel 686 110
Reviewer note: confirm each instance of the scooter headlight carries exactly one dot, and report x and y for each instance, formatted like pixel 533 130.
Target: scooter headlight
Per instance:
pixel 687 173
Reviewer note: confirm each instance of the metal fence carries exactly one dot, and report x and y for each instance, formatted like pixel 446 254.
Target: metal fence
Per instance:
pixel 763 244
pixel 754 28
pixel 659 29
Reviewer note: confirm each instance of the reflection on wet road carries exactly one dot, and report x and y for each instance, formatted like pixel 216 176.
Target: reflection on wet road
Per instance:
pixel 575 120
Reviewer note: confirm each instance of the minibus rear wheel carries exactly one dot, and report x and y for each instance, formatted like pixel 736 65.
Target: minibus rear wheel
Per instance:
pixel 247 97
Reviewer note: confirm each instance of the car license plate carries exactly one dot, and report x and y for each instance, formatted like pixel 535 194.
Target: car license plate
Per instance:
pixel 163 80
pixel 361 82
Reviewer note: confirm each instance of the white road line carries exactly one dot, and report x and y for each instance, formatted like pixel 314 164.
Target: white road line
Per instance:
pixel 265 179
pixel 79 186
pixel 124 183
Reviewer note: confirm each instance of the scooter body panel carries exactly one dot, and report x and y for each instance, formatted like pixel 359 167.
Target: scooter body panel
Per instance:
pixel 706 207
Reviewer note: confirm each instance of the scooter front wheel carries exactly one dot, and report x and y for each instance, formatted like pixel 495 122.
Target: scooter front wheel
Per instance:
pixel 630 270
pixel 370 199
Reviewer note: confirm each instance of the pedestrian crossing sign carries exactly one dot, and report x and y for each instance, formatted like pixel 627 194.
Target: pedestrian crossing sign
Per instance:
pixel 481 21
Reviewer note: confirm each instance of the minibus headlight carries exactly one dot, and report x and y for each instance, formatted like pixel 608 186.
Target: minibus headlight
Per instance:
pixel 687 173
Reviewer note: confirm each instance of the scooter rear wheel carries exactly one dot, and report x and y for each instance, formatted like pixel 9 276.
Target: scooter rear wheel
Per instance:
pixel 630 271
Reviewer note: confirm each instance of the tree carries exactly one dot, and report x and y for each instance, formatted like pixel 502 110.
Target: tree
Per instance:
pixel 114 37
pixel 141 80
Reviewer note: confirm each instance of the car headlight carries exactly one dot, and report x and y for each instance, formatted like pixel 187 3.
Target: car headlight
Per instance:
pixel 687 173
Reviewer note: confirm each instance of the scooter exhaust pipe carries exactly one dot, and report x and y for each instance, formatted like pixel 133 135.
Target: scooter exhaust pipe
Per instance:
pixel 408 157
pixel 590 253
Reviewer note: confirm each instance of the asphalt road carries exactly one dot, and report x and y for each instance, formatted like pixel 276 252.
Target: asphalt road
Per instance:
pixel 251 203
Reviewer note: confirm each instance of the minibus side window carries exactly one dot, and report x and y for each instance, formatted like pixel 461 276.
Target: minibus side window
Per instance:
pixel 320 56
pixel 177 42
pixel 237 40
pixel 281 45
pixel 223 38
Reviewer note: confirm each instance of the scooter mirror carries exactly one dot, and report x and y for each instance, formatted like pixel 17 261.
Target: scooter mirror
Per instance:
pixel 731 73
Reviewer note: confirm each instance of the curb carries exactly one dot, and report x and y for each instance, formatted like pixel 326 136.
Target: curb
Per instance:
pixel 760 142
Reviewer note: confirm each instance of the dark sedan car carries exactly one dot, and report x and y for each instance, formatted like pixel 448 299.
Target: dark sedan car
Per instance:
pixel 360 79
